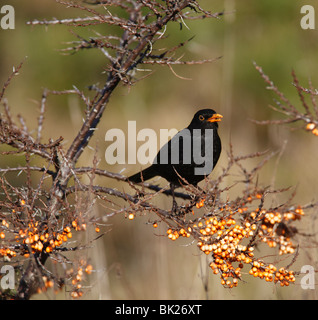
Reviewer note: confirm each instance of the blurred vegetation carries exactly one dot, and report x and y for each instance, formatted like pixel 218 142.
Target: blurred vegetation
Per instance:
pixel 133 262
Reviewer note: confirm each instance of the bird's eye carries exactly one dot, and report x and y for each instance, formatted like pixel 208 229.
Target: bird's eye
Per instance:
pixel 201 118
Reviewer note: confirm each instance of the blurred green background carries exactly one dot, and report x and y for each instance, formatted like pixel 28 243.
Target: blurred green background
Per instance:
pixel 134 261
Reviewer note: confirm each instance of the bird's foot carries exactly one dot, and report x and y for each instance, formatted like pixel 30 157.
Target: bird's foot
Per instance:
pixel 174 208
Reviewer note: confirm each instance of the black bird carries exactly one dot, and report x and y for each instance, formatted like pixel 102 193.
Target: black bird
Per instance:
pixel 190 155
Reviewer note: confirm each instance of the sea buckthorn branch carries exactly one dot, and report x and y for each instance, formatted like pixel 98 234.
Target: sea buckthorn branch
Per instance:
pixel 36 220
pixel 308 116
pixel 119 177
pixel 139 33
pixel 228 230
pixel 39 221
pixel 27 237
pixel 218 232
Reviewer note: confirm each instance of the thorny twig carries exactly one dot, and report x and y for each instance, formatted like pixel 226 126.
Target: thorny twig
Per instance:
pixel 308 115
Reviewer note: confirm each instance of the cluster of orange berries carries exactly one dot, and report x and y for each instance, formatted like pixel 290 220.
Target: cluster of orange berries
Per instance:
pixel 35 238
pixel 48 283
pixel 174 234
pixel 274 236
pixel 312 127
pixel 5 224
pixel 270 273
pixel 223 238
pixel 77 278
pixel 39 240
pixel 6 251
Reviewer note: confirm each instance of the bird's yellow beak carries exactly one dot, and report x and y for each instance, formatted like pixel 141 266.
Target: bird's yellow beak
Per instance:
pixel 215 118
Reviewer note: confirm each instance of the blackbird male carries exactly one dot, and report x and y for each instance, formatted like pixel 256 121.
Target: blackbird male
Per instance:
pixel 190 155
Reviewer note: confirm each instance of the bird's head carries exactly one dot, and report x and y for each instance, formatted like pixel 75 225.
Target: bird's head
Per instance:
pixel 206 119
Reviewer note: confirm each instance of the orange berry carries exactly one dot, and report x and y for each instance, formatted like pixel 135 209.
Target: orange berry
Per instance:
pixel 89 269
pixel 200 204
pixel 310 126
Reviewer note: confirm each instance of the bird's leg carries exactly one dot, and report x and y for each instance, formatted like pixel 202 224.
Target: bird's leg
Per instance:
pixel 174 202
pixel 199 197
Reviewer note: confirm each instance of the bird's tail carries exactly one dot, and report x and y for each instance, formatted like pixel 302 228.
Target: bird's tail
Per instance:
pixel 143 175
